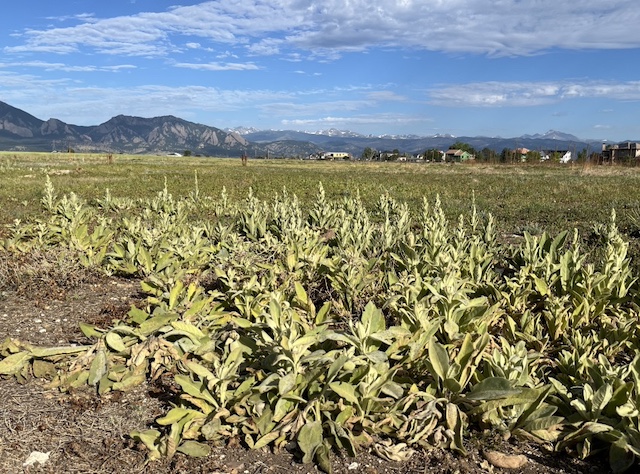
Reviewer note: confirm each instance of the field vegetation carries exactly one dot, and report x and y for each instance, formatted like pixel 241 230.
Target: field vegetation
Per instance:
pixel 342 307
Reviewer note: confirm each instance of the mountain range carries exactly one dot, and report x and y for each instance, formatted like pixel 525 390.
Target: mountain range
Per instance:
pixel 20 130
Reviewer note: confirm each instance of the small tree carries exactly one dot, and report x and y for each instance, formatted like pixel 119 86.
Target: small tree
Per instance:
pixel 506 155
pixel 368 153
pixel 582 156
pixel 187 153
pixel 432 155
pixel 487 155
pixel 533 156
pixel 464 147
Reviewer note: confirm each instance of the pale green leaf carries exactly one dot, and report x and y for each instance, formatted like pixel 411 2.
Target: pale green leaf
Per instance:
pixel 195 389
pixel 114 341
pixel 439 358
pixel 620 457
pixel 373 319
pixel 14 363
pixel 286 383
pixel 309 440
pixel 492 388
pixel 98 367
pixel 266 439
pixel 173 416
pixel 187 328
pixel 345 390
pixel 194 449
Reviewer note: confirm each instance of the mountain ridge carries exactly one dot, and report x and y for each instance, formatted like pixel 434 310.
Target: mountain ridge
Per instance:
pixel 20 130
pixel 122 133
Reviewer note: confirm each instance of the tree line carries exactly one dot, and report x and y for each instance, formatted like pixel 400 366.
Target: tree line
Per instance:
pixel 486 155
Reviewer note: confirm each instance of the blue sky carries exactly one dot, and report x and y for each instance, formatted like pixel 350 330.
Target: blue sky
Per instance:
pixel 464 67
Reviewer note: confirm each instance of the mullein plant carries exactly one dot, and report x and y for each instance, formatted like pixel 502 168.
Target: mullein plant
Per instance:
pixel 330 325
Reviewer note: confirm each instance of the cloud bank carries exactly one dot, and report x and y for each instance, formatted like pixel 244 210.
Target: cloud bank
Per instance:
pixel 490 27
pixel 512 94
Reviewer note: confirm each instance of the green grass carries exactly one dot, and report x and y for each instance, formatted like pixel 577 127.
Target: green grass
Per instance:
pixel 520 197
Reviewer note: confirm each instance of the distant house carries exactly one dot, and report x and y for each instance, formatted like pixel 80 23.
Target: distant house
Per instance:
pixel 457 156
pixel 174 154
pixel 621 152
pixel 431 155
pixel 335 155
pixel 522 153
pixel 563 156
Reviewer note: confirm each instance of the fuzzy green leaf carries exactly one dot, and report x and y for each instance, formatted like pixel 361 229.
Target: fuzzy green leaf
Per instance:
pixel 309 440
pixel 439 358
pixel 345 390
pixel 114 341
pixel 14 363
pixel 373 319
pixel 98 367
pixel 492 388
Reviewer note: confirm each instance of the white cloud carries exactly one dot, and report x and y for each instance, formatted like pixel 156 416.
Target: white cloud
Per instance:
pixel 295 108
pixel 507 94
pixel 373 119
pixel 494 27
pixel 86 105
pixel 219 66
pixel 227 54
pixel 386 96
pixel 47 66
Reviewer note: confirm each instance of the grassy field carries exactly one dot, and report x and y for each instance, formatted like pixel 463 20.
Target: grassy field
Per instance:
pixel 520 197
pixel 324 325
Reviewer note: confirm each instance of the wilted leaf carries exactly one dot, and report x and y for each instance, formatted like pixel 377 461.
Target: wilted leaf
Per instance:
pixel 322 458
pixel 129 381
pixel 98 367
pixel 390 451
pixel 505 461
pixel 43 369
pixel 173 416
pixel 14 363
pixel 194 448
pixel 266 439
pixel 90 330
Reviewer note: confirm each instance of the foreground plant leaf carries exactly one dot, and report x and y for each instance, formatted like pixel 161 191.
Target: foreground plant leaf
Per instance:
pixel 14 363
pixel 309 440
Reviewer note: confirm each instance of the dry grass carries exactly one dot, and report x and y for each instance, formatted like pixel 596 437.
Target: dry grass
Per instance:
pixel 54 271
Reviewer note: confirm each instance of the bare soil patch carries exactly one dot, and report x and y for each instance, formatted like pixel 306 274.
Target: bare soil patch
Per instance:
pixel 43 300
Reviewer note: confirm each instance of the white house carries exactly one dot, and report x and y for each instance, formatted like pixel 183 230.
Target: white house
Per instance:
pixel 565 155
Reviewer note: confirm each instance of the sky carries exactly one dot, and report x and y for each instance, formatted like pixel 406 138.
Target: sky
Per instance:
pixel 463 67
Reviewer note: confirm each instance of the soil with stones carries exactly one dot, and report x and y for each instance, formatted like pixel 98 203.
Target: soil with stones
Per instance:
pixel 43 300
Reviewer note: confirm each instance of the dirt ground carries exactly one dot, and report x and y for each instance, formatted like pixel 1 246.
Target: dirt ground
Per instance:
pixel 42 301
